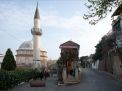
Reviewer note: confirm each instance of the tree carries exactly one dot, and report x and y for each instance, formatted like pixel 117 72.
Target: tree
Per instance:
pixel 83 60
pixel 60 69
pixel 103 47
pixel 9 62
pixel 98 9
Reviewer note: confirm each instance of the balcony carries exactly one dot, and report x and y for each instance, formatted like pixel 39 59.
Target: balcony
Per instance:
pixel 36 31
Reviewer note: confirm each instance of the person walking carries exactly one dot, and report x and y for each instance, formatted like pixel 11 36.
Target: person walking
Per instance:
pixel 45 75
pixel 41 75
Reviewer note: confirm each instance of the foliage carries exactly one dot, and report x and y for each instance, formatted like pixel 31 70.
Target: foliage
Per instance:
pixel 103 47
pixel 60 69
pixel 98 9
pixel 83 60
pixel 9 62
pixel 9 79
pixel 52 66
pixel 66 55
pixel 69 55
pixel 98 54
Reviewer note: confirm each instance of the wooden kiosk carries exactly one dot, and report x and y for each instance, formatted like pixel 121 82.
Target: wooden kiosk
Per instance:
pixel 69 56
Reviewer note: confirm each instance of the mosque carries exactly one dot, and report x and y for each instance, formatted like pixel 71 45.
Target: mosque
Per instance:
pixel 29 53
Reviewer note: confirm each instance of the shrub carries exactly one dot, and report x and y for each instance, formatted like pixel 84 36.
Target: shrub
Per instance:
pixel 9 79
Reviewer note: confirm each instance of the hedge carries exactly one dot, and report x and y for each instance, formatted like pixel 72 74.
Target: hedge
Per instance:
pixel 9 79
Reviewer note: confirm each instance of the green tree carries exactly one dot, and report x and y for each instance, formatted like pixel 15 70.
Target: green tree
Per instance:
pixel 9 62
pixel 60 69
pixel 98 9
pixel 103 47
pixel 83 60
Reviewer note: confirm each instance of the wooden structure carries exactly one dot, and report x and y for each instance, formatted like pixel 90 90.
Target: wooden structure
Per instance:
pixel 69 56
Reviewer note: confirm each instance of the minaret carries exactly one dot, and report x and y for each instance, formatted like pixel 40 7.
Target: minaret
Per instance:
pixel 36 32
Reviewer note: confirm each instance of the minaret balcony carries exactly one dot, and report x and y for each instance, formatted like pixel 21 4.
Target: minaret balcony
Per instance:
pixel 36 31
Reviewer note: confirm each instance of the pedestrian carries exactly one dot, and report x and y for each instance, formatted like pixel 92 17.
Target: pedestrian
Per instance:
pixel 41 75
pixel 45 75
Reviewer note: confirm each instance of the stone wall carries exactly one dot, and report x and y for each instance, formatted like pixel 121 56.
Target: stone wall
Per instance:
pixel 111 63
pixel 117 69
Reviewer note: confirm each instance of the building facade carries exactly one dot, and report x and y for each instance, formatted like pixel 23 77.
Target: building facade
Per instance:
pixel 24 56
pixel 112 55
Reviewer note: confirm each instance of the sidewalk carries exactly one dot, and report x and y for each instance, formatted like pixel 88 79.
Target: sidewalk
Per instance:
pixel 118 78
pixel 50 86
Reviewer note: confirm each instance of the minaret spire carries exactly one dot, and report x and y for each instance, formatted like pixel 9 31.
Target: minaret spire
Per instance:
pixel 36 32
pixel 37 12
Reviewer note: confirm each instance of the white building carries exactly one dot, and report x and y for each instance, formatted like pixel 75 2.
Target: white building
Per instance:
pixel 24 55
pixel 30 53
pixel 95 64
pixel 1 59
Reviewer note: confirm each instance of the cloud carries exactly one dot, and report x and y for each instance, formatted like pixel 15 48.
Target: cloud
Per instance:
pixel 18 21
pixel 78 30
pixel 74 22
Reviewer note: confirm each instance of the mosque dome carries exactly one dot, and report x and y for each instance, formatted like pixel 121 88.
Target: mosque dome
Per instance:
pixel 26 45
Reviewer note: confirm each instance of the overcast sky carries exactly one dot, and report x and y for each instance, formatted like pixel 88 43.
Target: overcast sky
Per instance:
pixel 61 20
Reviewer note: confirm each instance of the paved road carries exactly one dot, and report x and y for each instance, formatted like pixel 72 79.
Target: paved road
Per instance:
pixel 91 81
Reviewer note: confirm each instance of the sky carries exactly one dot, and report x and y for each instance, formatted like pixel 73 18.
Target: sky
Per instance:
pixel 61 21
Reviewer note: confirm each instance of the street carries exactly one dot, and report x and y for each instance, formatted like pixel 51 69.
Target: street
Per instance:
pixel 90 81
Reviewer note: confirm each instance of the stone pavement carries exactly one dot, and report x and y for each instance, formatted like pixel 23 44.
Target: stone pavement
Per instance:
pixel 91 81
pixel 50 85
